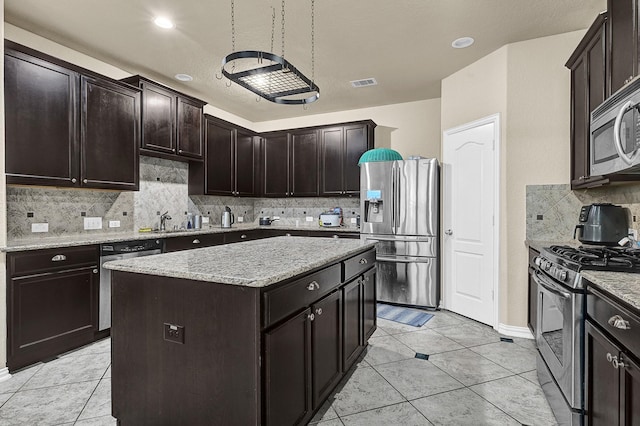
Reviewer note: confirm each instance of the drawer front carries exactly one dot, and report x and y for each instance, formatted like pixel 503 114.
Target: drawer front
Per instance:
pixel 49 260
pixel 285 300
pixel 615 319
pixel 191 242
pixel 358 264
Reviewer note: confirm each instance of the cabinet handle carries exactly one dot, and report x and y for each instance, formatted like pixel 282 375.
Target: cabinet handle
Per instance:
pixel 618 322
pixel 319 311
pixel 311 317
pixel 363 261
pixel 287 234
pixel 366 279
pixel 74 180
pixel 609 357
pixel 95 271
pixel 243 236
pixel 180 151
pixel 617 364
pixel 58 258
pixel 196 241
pixel 313 285
pixel 84 181
pixel 286 193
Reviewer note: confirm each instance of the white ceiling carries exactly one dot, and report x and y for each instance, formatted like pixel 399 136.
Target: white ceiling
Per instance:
pixel 404 44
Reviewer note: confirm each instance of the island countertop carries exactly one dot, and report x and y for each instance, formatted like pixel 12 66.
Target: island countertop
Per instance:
pixel 257 263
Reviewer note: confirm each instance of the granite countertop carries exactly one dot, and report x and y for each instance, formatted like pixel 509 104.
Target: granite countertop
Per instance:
pixel 257 263
pixel 42 242
pixel 539 244
pixel 623 285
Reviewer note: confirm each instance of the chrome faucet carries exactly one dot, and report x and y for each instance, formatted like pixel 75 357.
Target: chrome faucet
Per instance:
pixel 163 220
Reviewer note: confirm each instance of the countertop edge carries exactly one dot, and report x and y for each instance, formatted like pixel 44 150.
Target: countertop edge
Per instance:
pixel 623 286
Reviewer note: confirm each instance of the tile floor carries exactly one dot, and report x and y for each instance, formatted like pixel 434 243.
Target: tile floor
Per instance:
pixel 471 378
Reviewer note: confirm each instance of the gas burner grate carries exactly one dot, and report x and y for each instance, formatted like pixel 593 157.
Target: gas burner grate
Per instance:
pixel 601 258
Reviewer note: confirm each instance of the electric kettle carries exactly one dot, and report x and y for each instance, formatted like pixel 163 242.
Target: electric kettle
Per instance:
pixel 227 218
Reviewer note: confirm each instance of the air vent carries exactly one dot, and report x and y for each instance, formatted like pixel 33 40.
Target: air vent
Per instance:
pixel 364 82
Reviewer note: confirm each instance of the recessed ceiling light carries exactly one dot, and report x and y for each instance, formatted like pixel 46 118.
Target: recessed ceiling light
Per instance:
pixel 462 42
pixel 163 22
pixel 183 77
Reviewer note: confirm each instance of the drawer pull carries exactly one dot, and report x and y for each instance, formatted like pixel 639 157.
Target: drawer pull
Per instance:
pixel 95 271
pixel 311 317
pixel 287 234
pixel 243 236
pixel 313 285
pixel 363 261
pixel 617 364
pixel 319 311
pixel 618 322
pixel 196 241
pixel 58 258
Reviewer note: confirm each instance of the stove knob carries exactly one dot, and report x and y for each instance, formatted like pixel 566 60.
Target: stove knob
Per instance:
pixel 563 275
pixel 547 265
pixel 538 261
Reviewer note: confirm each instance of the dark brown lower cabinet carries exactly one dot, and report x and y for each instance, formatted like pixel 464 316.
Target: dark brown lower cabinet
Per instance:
pixel 288 372
pixel 352 314
pixel 369 296
pixel 326 346
pixel 52 303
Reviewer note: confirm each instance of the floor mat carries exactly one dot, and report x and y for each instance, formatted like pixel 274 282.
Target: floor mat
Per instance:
pixel 409 316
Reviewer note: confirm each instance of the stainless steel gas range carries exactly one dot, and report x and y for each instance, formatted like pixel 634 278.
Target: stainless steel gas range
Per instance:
pixel 560 322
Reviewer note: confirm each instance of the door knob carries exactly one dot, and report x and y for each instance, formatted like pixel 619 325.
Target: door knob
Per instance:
pixel 448 232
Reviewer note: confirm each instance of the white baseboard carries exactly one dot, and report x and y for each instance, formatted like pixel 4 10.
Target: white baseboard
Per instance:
pixel 4 374
pixel 513 331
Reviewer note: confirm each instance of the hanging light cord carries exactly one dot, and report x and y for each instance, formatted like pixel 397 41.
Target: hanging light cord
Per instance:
pixel 283 29
pixel 233 27
pixel 313 42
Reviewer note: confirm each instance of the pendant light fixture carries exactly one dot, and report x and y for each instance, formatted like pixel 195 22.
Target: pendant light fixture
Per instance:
pixel 268 75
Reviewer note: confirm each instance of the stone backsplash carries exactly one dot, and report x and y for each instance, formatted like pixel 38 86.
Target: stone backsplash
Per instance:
pixel 163 188
pixel 553 210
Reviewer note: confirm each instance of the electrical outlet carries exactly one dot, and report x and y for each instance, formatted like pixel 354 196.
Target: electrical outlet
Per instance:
pixel 114 224
pixel 92 223
pixel 354 220
pixel 174 333
pixel 633 233
pixel 276 217
pixel 240 219
pixel 39 227
pixel 309 219
pixel 205 219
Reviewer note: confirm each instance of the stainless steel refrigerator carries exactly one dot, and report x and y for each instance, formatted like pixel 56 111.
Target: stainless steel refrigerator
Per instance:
pixel 400 208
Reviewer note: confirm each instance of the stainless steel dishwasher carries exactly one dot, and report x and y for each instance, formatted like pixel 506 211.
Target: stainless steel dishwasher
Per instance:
pixel 119 251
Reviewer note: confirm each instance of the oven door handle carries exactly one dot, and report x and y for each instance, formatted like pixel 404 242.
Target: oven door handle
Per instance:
pixel 629 159
pixel 550 286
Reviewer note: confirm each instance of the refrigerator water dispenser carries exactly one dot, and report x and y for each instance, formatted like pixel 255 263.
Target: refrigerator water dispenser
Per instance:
pixel 373 206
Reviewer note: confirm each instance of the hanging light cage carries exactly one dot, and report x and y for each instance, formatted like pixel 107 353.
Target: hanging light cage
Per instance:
pixel 278 81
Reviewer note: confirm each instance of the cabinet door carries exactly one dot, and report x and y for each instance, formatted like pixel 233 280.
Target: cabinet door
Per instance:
pixel 276 165
pixel 356 142
pixel 602 381
pixel 369 309
pixel 287 371
pixel 219 161
pixel 326 345
pixel 246 162
pixel 331 152
pixel 623 43
pixel 40 122
pixel 51 313
pixel 629 392
pixel 109 135
pixel 189 132
pixel 158 119
pixel 580 123
pixel 304 163
pixel 352 320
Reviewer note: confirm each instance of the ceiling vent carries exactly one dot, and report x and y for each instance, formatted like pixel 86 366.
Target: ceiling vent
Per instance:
pixel 364 82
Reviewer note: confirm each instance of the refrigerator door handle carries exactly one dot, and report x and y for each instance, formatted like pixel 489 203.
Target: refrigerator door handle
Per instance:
pixel 396 198
pixel 394 188
pixel 404 259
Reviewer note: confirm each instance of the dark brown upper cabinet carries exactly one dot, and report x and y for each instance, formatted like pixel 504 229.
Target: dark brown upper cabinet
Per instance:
pixel 275 164
pixel 588 90
pixel 67 126
pixel 623 42
pixel 172 122
pixel 231 161
pixel 340 149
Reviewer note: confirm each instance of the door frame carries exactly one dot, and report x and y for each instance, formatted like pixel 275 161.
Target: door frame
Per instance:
pixel 495 120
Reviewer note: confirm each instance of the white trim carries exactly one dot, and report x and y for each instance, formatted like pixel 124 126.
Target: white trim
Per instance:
pixel 513 331
pixel 495 119
pixel 4 374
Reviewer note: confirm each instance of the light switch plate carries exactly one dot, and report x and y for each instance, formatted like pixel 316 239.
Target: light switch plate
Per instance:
pixel 240 219
pixel 114 224
pixel 309 218
pixel 353 220
pixel 39 227
pixel 205 219
pixel 92 223
pixel 276 217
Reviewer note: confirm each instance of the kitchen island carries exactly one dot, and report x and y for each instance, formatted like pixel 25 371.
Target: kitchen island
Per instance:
pixel 238 334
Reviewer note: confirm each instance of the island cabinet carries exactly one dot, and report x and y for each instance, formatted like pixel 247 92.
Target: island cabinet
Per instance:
pixel 202 353
pixel 231 161
pixel 66 126
pixel 612 373
pixel 172 122
pixel 52 302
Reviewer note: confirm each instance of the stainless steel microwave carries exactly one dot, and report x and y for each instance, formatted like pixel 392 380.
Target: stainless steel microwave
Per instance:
pixel 615 134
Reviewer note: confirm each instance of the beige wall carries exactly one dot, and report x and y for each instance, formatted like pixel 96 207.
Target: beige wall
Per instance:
pixel 528 85
pixel 3 214
pixel 411 128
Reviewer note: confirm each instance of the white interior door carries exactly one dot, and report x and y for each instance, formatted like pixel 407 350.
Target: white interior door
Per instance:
pixel 469 214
